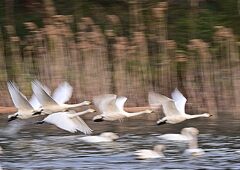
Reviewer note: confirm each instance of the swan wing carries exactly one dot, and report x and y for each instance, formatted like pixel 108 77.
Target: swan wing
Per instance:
pixel 180 100
pixel 105 103
pixel 20 101
pixel 120 101
pixel 62 93
pixel 62 120
pixel 170 109
pixel 155 100
pixel 81 125
pixel 34 101
pixel 43 97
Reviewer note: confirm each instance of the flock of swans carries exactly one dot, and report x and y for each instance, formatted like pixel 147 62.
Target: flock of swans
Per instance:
pixel 110 108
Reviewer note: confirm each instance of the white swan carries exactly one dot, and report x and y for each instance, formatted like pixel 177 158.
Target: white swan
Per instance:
pixel 111 108
pixel 174 109
pixel 193 149
pixel 25 109
pixel 185 135
pixel 69 121
pixel 55 103
pixel 103 137
pixel 157 152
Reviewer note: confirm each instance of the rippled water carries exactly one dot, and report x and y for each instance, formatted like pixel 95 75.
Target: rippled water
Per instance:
pixel 46 147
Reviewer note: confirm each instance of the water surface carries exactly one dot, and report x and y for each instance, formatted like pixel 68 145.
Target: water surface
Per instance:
pixel 47 147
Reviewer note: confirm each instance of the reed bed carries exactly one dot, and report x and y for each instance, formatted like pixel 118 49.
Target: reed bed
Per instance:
pixel 96 60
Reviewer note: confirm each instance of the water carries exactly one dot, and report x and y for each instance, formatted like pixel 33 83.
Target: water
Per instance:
pixel 46 147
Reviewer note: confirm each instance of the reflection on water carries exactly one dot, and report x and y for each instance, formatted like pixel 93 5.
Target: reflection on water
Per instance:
pixel 46 147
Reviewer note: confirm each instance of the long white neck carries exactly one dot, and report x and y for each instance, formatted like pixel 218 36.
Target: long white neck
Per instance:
pixel 193 143
pixel 75 105
pixel 79 113
pixel 195 116
pixel 127 114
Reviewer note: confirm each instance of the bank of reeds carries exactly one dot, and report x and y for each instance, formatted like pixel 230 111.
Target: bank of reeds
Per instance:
pixel 97 61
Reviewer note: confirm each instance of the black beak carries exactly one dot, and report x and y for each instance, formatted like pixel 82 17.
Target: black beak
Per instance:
pixel 37 113
pixel 12 118
pixel 161 122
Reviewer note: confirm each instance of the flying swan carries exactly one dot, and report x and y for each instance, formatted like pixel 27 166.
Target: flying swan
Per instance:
pixel 174 109
pixel 56 102
pixel 111 108
pixel 69 121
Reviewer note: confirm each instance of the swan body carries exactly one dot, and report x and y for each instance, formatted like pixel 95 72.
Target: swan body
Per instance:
pixel 175 137
pixel 56 103
pixel 24 109
pixel 174 109
pixel 103 137
pixel 69 121
pixel 186 135
pixel 111 108
pixel 157 152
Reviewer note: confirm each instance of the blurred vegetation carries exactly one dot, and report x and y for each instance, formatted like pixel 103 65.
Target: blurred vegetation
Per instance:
pixel 125 47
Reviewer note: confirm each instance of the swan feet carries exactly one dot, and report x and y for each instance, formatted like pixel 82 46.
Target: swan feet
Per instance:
pixel 161 122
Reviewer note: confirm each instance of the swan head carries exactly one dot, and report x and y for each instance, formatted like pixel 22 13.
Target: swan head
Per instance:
pixel 91 110
pixel 98 118
pixel 206 115
pixel 110 135
pixel 159 148
pixel 190 132
pixel 86 102
pixel 12 117
pixel 148 111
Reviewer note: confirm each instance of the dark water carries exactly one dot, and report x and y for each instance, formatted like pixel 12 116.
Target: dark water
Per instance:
pixel 46 147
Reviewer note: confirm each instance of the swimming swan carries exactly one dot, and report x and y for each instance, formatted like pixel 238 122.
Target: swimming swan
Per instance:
pixel 157 152
pixel 69 121
pixel 103 137
pixel 174 109
pixel 193 149
pixel 25 109
pixel 111 108
pixel 184 136
pixel 55 103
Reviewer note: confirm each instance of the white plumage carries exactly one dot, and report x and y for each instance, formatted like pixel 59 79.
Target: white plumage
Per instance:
pixel 157 152
pixel 69 121
pixel 174 109
pixel 111 108
pixel 55 103
pixel 103 137
pixel 25 109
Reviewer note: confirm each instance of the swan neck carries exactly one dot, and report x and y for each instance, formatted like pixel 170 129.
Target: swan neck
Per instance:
pixel 134 113
pixel 194 116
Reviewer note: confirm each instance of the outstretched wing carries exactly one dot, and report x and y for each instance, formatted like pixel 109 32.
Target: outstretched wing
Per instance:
pixel 34 101
pixel 62 93
pixel 169 107
pixel 43 97
pixel 180 100
pixel 105 103
pixel 20 101
pixel 120 101
pixel 63 121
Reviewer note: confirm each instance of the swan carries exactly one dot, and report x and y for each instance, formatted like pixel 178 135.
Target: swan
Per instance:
pixel 111 108
pixel 174 109
pixel 103 137
pixel 69 121
pixel 24 109
pixel 157 152
pixel 193 149
pixel 55 103
pixel 184 136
